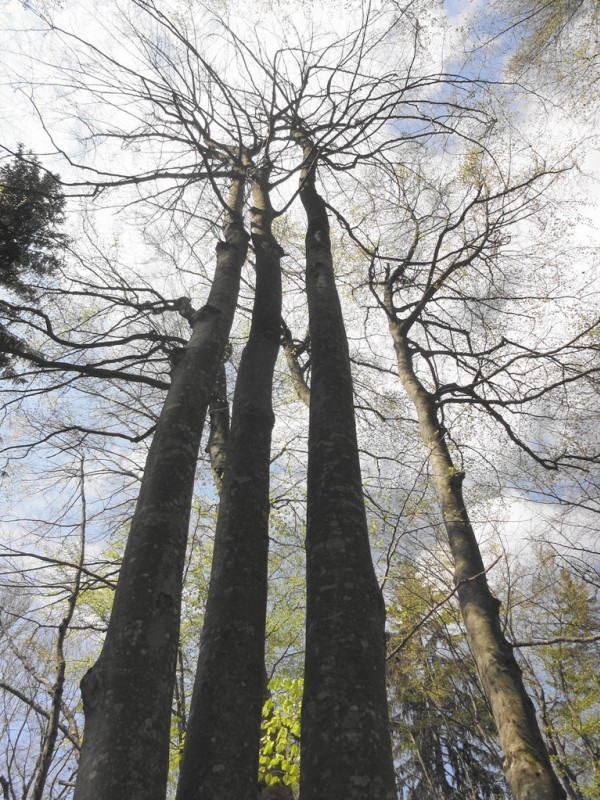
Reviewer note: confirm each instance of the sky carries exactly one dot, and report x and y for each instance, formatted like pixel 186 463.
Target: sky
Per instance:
pixel 25 48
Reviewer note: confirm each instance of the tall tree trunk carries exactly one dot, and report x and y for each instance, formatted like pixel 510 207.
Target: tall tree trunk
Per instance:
pixel 220 758
pixel 526 762
pixel 346 750
pixel 127 694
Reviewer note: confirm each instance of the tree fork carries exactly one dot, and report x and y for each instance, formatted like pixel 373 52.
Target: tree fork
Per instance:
pixel 127 694
pixel 346 749
pixel 220 757
pixel 527 764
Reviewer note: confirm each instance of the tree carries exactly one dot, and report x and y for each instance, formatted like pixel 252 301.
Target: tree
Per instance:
pixel 233 112
pixel 550 46
pixel 41 726
pixel 31 207
pixel 408 289
pixel 371 111
pixel 220 756
pixel 344 712
pixel 136 670
pixel 554 621
pixel 549 26
pixel 441 724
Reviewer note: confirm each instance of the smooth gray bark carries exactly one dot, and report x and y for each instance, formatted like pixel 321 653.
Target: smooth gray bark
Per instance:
pixel 526 764
pixel 346 750
pixel 220 758
pixel 128 693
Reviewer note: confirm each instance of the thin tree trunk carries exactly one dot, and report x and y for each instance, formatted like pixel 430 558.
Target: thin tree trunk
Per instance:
pixel 220 759
pixel 127 694
pixel 346 750
pixel 295 370
pixel 52 728
pixel 526 762
pixel 555 748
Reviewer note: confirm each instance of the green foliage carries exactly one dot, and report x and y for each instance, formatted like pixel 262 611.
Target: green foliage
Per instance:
pixel 470 172
pixel 279 759
pixel 442 731
pixel 560 32
pixel 195 593
pixel 31 206
pixel 564 676
pixel 177 743
pixel 95 601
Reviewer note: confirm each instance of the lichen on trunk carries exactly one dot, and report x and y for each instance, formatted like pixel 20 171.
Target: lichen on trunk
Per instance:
pixel 527 764
pixel 346 751
pixel 220 758
pixel 128 693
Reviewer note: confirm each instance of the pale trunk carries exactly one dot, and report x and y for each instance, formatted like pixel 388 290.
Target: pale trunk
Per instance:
pixel 50 737
pixel 296 374
pixel 526 762
pixel 128 693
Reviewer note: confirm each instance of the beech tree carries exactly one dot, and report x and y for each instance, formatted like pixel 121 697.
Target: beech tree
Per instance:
pixel 371 110
pixel 226 129
pixel 220 756
pixel 344 713
pixel 527 763
pixel 555 34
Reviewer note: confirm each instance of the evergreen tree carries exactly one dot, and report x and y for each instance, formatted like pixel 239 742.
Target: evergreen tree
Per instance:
pixel 442 729
pixel 31 209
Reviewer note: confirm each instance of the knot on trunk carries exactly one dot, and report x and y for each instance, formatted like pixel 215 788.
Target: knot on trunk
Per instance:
pixel 91 686
pixel 205 312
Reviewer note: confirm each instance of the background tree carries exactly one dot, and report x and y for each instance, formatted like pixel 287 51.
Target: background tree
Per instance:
pixel 442 728
pixel 553 619
pixel 31 211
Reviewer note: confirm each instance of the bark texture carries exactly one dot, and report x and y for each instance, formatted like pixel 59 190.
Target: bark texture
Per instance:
pixel 220 759
pixel 127 694
pixel 219 427
pixel 526 762
pixel 346 750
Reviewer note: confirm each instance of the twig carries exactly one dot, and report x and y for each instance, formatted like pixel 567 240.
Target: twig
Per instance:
pixel 438 606
pixel 558 640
